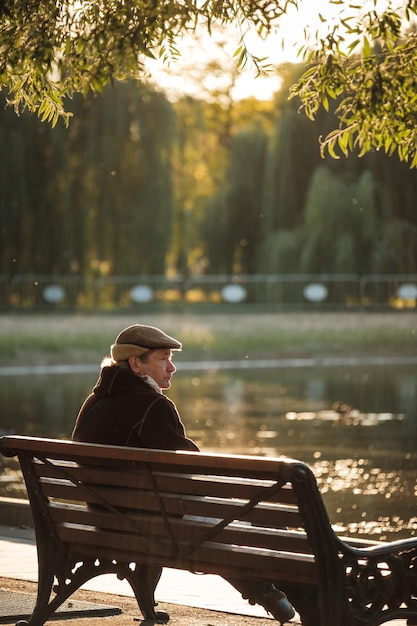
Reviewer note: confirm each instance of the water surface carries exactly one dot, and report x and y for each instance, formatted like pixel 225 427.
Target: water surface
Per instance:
pixel 355 425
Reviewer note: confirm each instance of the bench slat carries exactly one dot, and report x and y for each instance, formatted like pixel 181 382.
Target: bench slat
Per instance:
pixel 210 558
pixel 262 468
pixel 195 483
pixel 274 539
pixel 174 503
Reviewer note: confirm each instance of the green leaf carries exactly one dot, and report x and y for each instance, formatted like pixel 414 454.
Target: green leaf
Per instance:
pixel 331 150
pixel 343 143
pixel 238 51
pixel 366 47
pixel 413 163
pixel 354 44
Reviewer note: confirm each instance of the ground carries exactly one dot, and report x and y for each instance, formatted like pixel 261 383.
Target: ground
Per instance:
pixel 179 615
pixel 40 339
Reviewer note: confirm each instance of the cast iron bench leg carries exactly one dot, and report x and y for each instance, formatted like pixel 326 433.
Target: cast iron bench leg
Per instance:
pixel 143 581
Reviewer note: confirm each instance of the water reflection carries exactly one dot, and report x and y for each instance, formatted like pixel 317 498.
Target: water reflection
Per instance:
pixel 355 426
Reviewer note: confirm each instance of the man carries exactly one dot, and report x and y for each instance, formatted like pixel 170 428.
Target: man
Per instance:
pixel 127 408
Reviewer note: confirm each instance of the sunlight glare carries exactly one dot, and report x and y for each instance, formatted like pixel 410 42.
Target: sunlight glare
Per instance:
pixel 194 73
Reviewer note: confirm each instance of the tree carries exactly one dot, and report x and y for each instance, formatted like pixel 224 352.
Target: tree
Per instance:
pixel 364 57
pixel 92 199
pixel 244 199
pixel 340 221
pixel 52 49
pixel 365 61
pixel 292 156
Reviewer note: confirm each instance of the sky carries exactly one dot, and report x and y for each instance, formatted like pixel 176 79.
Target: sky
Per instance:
pixel 282 46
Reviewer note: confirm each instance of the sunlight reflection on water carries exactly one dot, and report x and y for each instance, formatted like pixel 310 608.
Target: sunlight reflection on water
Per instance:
pixel 355 426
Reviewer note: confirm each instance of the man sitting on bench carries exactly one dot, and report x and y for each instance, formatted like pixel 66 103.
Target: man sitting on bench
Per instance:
pixel 127 408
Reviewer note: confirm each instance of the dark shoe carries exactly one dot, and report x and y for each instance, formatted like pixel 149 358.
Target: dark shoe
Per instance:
pixel 161 617
pixel 274 602
pixel 310 619
pixel 305 600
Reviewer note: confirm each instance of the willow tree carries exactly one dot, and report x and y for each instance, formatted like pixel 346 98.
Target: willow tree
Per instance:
pixel 340 222
pixel 91 199
pixel 363 56
pixel 52 49
pixel 234 215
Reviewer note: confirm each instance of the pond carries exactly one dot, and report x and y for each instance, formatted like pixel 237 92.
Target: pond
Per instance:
pixel 356 426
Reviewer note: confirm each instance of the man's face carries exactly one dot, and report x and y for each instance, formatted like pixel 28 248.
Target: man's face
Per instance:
pixel 159 366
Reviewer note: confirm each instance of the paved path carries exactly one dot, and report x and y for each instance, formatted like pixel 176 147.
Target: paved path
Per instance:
pixel 17 546
pixel 18 560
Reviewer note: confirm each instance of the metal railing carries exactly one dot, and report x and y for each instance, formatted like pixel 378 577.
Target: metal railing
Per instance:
pixel 344 291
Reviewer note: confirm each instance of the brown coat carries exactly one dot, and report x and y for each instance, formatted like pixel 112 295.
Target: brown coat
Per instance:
pixel 123 410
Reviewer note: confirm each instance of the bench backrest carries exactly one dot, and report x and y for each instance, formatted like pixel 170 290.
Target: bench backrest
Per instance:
pixel 237 516
pixel 203 512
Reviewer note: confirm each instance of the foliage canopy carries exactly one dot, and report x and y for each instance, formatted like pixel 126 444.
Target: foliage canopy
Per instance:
pixel 366 61
pixel 51 49
pixel 363 57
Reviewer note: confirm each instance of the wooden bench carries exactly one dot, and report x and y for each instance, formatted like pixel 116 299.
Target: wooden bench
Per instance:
pixel 237 516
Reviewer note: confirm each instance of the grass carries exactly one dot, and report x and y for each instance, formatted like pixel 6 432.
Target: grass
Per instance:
pixel 60 338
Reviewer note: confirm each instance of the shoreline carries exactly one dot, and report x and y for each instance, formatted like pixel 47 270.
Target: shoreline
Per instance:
pixel 359 361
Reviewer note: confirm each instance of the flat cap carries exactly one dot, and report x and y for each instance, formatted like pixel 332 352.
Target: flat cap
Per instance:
pixel 138 339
